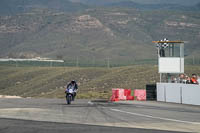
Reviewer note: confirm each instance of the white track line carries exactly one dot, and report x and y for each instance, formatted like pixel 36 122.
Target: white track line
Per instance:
pixel 154 117
pixel 91 103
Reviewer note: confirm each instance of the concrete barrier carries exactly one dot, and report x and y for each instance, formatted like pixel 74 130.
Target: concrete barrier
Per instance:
pixel 178 93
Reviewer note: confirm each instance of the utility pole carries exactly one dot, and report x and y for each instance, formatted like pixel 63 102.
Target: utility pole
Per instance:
pixel 51 63
pixel 16 65
pixel 94 61
pixel 199 61
pixel 77 62
pixel 108 62
pixel 193 60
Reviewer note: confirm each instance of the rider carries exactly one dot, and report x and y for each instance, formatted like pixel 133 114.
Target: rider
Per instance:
pixel 73 85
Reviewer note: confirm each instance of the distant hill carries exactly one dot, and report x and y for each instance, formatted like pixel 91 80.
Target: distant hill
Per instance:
pixel 198 5
pixel 104 2
pixel 179 2
pixel 11 7
pixel 135 5
pixel 177 5
pixel 121 34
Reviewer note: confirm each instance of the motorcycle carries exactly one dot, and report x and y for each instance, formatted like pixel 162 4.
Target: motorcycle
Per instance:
pixel 69 95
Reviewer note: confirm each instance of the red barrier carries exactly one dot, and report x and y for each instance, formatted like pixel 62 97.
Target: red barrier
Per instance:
pixel 140 94
pixel 130 98
pixel 127 92
pixel 121 94
pixel 115 95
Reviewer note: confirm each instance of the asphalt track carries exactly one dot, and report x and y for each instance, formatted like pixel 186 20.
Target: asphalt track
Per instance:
pixel 55 116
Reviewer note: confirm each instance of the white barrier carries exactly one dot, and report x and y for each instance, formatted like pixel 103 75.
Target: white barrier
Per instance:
pixel 178 93
pixel 34 59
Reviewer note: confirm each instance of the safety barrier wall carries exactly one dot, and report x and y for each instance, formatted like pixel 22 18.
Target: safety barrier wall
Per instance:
pixel 121 94
pixel 140 94
pixel 178 93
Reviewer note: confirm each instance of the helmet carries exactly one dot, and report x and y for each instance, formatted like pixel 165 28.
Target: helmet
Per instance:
pixel 73 82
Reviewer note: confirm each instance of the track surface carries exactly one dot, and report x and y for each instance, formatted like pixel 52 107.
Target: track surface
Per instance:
pixel 55 116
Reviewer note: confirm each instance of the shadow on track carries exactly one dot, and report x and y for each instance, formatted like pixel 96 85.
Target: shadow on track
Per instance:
pixel 18 126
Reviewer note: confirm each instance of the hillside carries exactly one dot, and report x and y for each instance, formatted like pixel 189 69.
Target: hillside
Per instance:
pixel 13 7
pixel 93 82
pixel 176 5
pixel 181 2
pixel 106 2
pixel 92 34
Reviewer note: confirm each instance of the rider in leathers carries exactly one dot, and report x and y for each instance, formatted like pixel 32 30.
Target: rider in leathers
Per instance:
pixel 73 85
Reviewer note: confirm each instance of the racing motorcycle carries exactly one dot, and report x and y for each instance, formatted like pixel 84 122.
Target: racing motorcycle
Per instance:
pixel 69 95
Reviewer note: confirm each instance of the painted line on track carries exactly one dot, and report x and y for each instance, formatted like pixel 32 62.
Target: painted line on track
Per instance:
pixel 90 103
pixel 154 117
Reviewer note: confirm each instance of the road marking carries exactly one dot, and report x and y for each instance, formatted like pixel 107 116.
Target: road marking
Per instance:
pixel 21 109
pixel 154 117
pixel 91 103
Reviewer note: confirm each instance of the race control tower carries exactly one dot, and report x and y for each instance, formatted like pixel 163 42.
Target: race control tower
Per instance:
pixel 170 65
pixel 170 58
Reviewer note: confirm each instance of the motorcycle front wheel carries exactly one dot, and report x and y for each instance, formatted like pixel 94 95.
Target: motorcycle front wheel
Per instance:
pixel 68 99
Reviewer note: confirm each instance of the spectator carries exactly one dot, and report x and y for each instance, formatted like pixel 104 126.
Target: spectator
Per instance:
pixel 198 80
pixel 188 80
pixel 182 78
pixel 194 79
pixel 173 79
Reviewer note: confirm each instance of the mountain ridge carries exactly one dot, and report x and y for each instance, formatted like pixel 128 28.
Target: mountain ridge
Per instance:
pixel 146 2
pixel 97 33
pixel 12 7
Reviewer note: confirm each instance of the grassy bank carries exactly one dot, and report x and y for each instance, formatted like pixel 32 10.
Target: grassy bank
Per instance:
pixel 93 82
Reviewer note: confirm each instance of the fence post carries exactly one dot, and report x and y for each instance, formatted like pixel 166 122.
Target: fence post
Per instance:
pixel 193 60
pixel 16 65
pixel 108 62
pixel 77 62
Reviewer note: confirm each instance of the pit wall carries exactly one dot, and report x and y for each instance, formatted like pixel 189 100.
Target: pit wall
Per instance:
pixel 178 93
